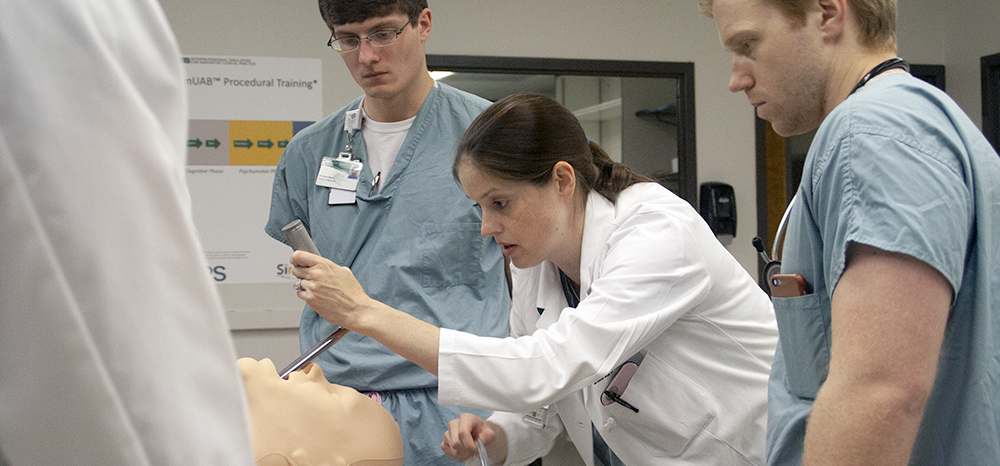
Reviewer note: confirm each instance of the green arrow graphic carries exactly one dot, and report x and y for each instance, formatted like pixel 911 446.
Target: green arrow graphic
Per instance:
pixel 196 143
pixel 265 144
pixel 212 143
pixel 282 144
pixel 247 143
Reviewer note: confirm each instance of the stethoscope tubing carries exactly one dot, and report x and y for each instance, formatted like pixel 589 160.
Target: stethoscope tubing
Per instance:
pixel 782 228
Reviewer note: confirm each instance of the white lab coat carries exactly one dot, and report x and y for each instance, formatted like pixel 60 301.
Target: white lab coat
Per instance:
pixel 653 277
pixel 114 348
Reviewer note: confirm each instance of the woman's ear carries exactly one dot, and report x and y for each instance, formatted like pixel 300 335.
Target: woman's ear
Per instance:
pixel 564 177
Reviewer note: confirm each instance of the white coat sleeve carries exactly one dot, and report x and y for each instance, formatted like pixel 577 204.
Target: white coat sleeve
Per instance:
pixel 648 273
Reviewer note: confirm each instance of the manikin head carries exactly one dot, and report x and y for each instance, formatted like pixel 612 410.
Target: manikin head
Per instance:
pixel 307 421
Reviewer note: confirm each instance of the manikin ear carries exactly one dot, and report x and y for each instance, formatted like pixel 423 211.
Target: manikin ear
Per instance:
pixel 424 24
pixel 564 177
pixel 833 17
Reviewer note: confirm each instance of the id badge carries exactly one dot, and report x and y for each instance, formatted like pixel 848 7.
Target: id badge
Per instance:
pixel 352 120
pixel 537 418
pixel 339 173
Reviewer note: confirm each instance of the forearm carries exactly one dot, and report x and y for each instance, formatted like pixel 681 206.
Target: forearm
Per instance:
pixel 862 424
pixel 336 295
pixel 407 336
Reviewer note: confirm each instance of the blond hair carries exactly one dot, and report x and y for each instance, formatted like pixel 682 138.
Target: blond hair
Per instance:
pixel 876 19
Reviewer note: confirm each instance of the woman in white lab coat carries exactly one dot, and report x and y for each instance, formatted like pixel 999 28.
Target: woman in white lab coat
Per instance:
pixel 633 329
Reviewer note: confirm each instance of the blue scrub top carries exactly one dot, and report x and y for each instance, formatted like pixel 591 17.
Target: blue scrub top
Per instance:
pixel 414 245
pixel 900 167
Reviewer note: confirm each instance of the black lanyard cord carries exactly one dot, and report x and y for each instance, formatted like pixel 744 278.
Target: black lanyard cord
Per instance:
pixel 887 65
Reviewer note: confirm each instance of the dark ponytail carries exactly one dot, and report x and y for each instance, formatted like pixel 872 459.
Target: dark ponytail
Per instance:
pixel 522 136
pixel 612 177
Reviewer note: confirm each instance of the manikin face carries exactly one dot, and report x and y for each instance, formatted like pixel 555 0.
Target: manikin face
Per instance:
pixel 529 222
pixel 776 62
pixel 386 72
pixel 307 421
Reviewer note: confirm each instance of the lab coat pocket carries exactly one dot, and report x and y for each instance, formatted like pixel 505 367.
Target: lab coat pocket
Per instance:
pixel 804 331
pixel 450 254
pixel 673 410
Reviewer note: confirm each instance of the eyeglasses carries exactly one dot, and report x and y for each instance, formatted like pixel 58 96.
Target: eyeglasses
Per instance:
pixel 376 39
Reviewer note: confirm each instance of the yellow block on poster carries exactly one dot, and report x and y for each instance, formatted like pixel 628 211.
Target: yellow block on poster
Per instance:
pixel 258 142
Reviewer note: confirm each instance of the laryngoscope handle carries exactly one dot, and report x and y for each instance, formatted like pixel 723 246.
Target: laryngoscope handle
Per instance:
pixel 298 238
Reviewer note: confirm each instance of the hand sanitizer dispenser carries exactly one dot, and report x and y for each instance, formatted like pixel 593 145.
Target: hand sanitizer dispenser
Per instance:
pixel 718 208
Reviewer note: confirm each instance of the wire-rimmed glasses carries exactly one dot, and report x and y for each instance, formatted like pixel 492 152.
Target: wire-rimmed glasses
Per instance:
pixel 382 38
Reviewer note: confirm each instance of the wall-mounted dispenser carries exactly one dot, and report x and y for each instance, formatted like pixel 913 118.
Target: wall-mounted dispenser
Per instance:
pixel 718 208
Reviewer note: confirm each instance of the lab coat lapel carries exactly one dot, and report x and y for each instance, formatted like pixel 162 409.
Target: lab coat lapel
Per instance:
pixel 550 296
pixel 571 409
pixel 600 214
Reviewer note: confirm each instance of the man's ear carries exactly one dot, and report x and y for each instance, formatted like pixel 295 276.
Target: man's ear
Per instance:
pixel 565 178
pixel 424 24
pixel 833 17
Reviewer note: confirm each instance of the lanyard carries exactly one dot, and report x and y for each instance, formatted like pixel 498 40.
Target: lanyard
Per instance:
pixel 352 123
pixel 887 65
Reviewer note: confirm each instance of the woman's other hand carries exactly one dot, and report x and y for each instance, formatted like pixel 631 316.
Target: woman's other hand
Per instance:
pixel 460 440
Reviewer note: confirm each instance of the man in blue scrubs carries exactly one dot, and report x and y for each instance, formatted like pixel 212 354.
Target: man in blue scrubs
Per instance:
pixel 403 225
pixel 891 356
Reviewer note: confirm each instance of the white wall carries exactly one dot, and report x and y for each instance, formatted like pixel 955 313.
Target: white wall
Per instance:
pixel 973 32
pixel 955 34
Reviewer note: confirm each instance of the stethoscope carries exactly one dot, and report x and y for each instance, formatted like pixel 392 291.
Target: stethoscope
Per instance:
pixel 773 262
pixel 773 266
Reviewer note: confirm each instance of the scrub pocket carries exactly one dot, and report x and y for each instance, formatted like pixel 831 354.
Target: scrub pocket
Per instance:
pixel 804 331
pixel 450 254
pixel 673 409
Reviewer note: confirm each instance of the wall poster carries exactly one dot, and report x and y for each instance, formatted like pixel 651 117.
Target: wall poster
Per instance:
pixel 243 111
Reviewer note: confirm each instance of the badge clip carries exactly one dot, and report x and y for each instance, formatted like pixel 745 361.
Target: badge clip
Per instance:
pixel 537 418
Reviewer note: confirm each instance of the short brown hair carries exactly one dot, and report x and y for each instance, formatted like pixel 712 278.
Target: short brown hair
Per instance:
pixel 876 19
pixel 338 12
